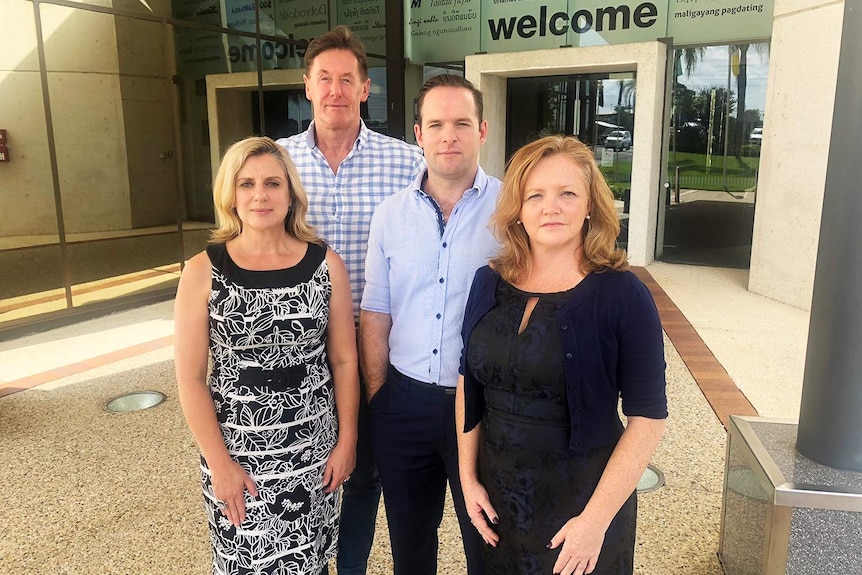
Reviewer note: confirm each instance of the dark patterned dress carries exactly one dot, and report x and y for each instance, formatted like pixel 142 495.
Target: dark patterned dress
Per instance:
pixel 274 400
pixel 534 481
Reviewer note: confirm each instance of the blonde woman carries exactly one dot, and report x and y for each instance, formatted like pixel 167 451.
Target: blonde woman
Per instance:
pixel 555 332
pixel 275 419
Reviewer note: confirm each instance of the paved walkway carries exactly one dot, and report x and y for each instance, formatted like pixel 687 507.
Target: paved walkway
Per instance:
pixel 105 493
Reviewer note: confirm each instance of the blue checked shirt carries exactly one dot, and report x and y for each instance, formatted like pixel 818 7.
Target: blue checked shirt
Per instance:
pixel 419 271
pixel 341 205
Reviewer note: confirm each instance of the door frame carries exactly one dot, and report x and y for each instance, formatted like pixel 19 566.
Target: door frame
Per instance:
pixel 489 73
pixel 229 108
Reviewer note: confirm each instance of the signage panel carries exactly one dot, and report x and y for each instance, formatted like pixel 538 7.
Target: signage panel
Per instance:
pixel 200 52
pixel 519 25
pixel 730 21
pixel 367 18
pixel 442 30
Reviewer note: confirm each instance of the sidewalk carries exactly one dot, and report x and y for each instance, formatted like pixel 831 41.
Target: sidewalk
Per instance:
pixel 104 493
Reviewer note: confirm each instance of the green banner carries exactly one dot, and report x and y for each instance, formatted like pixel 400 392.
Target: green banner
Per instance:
pixel 442 30
pixel 367 19
pixel 726 21
pixel 449 30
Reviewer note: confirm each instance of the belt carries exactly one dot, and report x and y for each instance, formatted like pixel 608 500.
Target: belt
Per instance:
pixel 406 382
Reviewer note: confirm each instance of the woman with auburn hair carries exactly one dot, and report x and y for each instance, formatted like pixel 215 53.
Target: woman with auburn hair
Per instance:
pixel 275 419
pixel 556 331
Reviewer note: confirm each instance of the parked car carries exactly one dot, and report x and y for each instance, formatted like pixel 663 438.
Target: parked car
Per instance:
pixel 619 140
pixel 756 136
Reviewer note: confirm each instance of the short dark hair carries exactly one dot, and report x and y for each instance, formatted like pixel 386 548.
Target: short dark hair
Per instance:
pixel 339 38
pixel 449 81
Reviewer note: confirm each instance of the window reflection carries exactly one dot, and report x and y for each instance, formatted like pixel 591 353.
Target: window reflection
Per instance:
pixel 116 161
pixel 30 260
pixel 719 94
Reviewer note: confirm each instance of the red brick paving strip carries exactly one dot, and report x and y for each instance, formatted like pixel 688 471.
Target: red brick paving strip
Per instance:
pixel 718 388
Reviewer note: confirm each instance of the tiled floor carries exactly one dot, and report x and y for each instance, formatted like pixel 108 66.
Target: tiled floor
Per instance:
pixel 723 395
pixel 118 494
pixel 717 386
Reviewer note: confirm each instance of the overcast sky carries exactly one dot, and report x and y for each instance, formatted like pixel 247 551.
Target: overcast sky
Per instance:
pixel 712 72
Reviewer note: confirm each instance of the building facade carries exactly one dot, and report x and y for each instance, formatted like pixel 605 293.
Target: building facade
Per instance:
pixel 711 120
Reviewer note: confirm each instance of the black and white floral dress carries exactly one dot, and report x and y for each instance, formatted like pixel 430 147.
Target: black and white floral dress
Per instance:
pixel 274 400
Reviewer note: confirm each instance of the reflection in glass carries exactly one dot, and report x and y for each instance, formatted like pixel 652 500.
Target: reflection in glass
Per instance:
pixel 31 269
pixel 719 94
pixel 116 160
pixel 374 111
pixel 151 7
pixel 596 108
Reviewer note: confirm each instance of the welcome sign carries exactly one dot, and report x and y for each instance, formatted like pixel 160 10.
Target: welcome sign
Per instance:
pixel 448 30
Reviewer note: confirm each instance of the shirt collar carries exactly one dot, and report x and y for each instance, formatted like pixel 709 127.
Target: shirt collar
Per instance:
pixel 361 139
pixel 480 182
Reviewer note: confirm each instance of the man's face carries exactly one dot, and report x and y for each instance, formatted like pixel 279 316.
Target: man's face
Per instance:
pixel 450 133
pixel 335 87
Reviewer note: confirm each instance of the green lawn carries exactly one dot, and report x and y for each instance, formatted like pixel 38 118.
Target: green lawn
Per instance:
pixel 693 173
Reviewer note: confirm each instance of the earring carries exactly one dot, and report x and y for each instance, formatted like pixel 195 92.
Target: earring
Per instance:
pixel 588 216
pixel 518 222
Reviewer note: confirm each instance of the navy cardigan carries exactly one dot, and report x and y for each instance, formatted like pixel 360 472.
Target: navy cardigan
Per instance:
pixel 613 346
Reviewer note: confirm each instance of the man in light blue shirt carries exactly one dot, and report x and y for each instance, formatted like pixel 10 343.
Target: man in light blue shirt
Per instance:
pixel 426 243
pixel 346 170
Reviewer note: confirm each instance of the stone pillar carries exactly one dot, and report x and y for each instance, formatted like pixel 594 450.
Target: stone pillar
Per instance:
pixel 830 420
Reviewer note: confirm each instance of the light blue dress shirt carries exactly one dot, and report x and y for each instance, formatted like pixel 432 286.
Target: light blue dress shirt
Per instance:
pixel 419 271
pixel 340 205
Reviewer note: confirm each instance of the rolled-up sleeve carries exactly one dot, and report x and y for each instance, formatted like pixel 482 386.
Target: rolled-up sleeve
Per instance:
pixel 376 297
pixel 641 366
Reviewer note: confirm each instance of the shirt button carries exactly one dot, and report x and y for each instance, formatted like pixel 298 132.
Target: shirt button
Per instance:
pixel 564 327
pixel 338 250
pixel 434 352
pixel 439 316
pixel 441 280
pixel 337 219
pixel 445 244
pixel 568 356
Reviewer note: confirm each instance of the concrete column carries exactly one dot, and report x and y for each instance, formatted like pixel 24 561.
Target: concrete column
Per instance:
pixel 830 420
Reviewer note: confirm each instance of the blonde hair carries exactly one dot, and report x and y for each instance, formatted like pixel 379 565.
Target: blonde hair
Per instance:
pixel 600 231
pixel 224 191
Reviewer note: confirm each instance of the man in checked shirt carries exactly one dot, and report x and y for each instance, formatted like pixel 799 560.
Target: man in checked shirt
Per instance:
pixel 347 170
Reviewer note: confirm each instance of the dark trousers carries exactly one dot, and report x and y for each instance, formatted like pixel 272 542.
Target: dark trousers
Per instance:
pixel 360 499
pixel 413 431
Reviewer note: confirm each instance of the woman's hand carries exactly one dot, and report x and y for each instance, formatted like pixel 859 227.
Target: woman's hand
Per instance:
pixel 339 466
pixel 229 483
pixel 581 543
pixel 478 508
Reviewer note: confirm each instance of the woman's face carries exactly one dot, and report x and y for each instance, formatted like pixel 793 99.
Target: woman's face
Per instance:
pixel 262 193
pixel 555 203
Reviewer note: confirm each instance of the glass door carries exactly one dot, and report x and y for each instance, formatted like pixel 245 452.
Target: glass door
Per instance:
pixel 716 128
pixel 596 108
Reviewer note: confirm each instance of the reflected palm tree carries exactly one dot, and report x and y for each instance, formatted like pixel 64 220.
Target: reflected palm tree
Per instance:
pixel 738 53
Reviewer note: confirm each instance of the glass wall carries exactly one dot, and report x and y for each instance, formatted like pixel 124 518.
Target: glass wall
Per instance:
pixel 719 97
pixel 31 262
pixel 114 124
